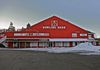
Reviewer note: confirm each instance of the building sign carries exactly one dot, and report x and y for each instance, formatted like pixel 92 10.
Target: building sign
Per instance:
pixel 54 25
pixel 31 34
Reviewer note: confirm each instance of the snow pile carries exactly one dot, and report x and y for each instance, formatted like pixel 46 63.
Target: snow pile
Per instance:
pixel 85 45
pixel 82 49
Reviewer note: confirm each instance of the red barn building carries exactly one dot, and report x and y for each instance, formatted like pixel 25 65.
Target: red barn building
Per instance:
pixel 51 32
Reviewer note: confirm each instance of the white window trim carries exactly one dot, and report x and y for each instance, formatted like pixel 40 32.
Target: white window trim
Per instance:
pixel 74 34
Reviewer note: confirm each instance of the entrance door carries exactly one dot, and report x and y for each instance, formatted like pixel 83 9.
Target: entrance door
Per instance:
pixel 27 44
pixel 73 43
pixel 51 44
pixel 16 45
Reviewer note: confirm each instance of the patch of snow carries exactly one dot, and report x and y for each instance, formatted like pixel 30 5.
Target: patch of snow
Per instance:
pixel 90 53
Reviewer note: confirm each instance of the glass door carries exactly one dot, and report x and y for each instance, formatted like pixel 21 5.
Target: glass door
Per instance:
pixel 51 44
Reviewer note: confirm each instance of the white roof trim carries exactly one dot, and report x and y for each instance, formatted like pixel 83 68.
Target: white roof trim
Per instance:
pixel 70 39
pixel 59 39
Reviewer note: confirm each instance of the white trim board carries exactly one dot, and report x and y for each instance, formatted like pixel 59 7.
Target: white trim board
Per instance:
pixel 70 39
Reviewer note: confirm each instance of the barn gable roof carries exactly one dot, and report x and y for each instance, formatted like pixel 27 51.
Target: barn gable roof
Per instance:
pixel 48 22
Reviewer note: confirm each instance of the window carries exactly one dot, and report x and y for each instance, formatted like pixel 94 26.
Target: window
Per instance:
pixel 89 36
pixel 66 44
pixel 43 44
pixel 74 34
pixel 34 44
pixel 83 34
pixel 58 44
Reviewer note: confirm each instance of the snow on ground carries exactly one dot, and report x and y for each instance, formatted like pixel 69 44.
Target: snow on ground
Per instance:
pixel 82 49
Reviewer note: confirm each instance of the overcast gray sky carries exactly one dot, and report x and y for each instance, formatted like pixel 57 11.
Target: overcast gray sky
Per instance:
pixel 85 13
